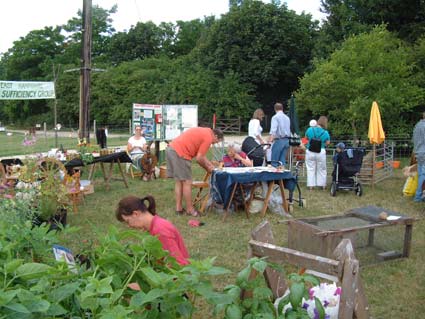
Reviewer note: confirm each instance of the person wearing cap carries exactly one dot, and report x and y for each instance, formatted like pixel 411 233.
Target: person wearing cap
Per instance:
pixel 192 143
pixel 316 162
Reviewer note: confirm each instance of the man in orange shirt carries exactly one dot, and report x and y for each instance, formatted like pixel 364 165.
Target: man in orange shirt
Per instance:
pixel 193 143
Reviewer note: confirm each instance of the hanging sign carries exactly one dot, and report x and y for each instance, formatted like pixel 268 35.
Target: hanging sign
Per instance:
pixel 18 90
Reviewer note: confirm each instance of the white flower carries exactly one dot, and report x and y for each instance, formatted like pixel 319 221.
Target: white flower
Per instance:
pixel 329 296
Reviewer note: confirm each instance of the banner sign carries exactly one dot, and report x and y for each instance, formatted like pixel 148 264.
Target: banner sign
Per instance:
pixel 17 90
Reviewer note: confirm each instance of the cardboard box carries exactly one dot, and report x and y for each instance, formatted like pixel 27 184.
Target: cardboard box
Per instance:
pixel 88 189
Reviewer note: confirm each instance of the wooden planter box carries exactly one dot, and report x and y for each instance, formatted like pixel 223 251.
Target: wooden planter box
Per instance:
pixel 321 235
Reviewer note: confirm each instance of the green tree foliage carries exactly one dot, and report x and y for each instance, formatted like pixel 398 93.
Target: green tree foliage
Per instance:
pixel 102 30
pixel 368 67
pixel 30 59
pixel 348 17
pixel 147 40
pixel 140 42
pixel 267 45
pixel 163 80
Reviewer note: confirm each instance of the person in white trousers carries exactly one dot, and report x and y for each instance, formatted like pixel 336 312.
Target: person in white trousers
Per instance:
pixel 316 162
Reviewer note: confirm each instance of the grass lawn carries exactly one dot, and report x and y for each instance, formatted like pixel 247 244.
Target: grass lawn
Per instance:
pixel 13 145
pixel 394 288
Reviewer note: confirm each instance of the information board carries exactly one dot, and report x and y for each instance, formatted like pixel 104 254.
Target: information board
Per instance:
pixel 149 117
pixel 164 122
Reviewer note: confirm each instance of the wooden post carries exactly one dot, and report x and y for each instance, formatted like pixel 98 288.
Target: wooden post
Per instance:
pixel 85 73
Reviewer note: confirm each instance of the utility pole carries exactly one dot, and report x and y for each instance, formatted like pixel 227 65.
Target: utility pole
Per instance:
pixel 84 124
pixel 55 106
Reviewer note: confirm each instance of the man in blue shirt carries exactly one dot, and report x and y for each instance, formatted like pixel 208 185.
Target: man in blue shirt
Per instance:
pixel 419 149
pixel 280 130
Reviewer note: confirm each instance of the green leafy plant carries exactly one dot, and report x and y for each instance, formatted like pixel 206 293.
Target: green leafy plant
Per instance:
pixel 257 304
pixel 299 285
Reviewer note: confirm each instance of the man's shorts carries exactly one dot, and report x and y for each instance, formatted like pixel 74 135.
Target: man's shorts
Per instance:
pixel 178 167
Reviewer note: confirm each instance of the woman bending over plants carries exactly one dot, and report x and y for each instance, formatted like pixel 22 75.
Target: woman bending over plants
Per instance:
pixel 134 212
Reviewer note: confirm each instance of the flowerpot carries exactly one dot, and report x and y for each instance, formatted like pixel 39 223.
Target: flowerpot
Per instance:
pixel 60 218
pixel 395 164
pixel 163 171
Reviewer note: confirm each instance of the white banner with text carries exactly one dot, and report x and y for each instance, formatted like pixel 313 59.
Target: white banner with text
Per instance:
pixel 19 90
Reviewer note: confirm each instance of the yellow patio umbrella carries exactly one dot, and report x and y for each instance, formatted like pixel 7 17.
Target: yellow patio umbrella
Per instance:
pixel 376 133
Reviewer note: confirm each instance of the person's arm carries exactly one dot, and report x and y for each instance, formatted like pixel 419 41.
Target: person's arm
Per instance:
pixel 328 138
pixel 169 243
pixel 244 160
pixel 204 162
pixel 273 129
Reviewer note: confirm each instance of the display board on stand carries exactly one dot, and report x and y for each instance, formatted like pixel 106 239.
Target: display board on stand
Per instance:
pixel 164 122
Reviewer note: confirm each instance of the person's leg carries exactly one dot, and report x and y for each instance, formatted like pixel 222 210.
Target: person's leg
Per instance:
pixel 285 148
pixel 187 195
pixel 310 164
pixel 321 169
pixel 421 180
pixel 178 191
pixel 276 152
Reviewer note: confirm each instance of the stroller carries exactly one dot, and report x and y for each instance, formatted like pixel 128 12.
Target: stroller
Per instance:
pixel 347 165
pixel 257 153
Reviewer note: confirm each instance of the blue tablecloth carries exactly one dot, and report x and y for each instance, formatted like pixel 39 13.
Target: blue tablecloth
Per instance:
pixel 222 182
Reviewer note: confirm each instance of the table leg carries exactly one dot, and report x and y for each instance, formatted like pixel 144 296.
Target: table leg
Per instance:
pixel 122 173
pixel 105 177
pixel 266 200
pixel 91 172
pixel 246 206
pixel 371 237
pixel 407 240
pixel 226 210
pixel 282 194
pixel 251 197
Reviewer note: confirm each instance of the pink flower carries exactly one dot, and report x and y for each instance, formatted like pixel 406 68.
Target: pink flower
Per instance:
pixel 311 293
pixel 338 291
pixel 8 196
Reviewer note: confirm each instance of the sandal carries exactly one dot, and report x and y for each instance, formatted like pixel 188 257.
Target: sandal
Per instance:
pixel 181 212
pixel 194 213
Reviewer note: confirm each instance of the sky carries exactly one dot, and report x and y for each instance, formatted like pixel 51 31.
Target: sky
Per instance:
pixel 19 17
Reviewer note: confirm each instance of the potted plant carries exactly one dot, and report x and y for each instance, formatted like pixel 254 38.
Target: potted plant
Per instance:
pixel 43 181
pixel 53 201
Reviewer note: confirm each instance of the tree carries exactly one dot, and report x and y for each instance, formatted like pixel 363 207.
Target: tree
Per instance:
pixel 140 42
pixel 167 81
pixel 369 67
pixel 348 17
pixel 267 45
pixel 30 59
pixel 102 30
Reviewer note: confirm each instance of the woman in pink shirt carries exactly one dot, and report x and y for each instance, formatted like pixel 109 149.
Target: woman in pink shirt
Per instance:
pixel 134 212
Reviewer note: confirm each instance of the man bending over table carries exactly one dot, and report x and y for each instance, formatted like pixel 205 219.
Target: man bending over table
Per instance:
pixel 193 143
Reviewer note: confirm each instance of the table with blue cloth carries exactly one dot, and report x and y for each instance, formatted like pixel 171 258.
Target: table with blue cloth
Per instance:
pixel 225 182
